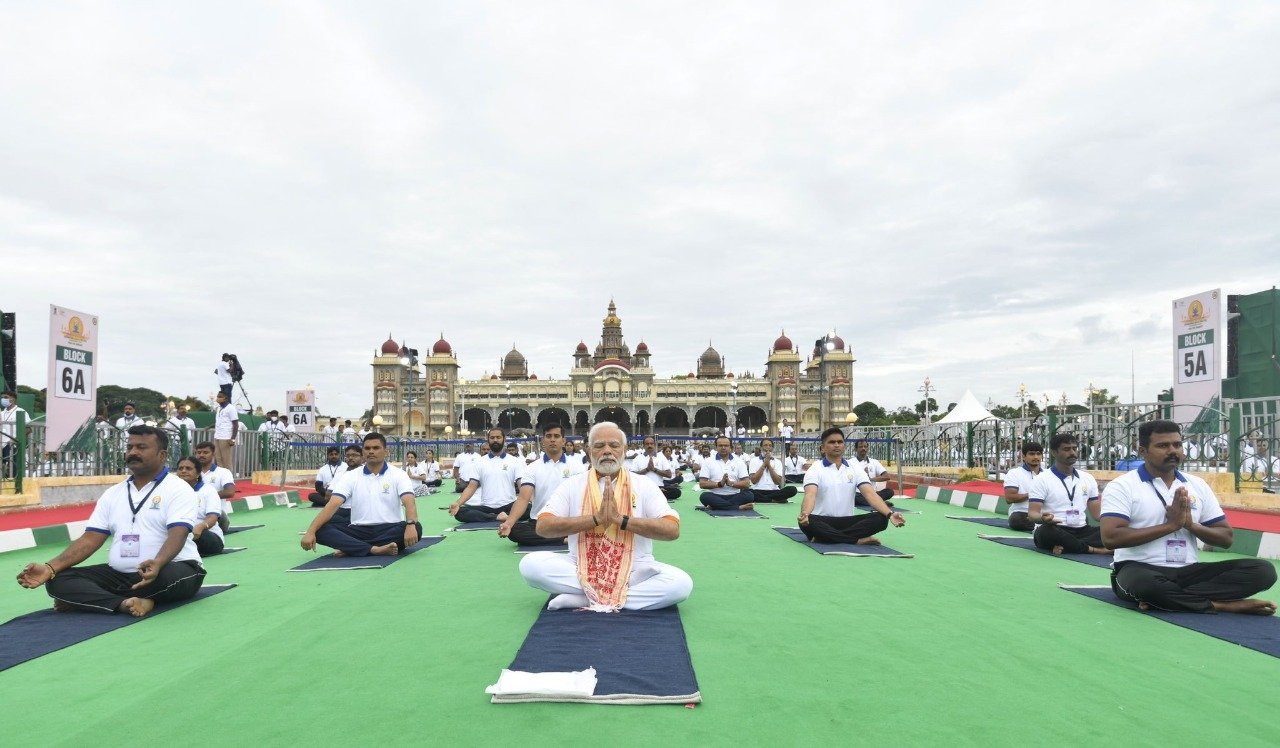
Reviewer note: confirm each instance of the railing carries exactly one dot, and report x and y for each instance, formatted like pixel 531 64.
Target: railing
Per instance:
pixel 1240 438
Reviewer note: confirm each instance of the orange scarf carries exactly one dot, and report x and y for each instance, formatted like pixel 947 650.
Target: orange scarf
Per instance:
pixel 604 553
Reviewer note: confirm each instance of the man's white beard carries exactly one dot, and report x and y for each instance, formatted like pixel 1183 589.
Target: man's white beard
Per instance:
pixel 611 469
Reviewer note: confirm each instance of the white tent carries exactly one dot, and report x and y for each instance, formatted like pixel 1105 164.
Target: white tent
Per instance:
pixel 968 410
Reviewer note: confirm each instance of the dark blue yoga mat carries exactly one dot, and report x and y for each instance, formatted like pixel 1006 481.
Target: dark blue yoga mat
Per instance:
pixel 470 526
pixel 1091 559
pixel 343 563
pixel 842 549
pixel 37 634
pixel 748 514
pixel 561 548
pixel 640 656
pixel 1001 522
pixel 240 528
pixel 1259 633
pixel 226 550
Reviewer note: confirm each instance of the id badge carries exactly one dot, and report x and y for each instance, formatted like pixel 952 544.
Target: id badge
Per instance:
pixel 1073 517
pixel 1175 551
pixel 130 546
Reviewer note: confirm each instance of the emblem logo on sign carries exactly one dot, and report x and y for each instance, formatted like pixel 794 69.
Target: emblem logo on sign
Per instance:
pixel 300 398
pixel 1196 313
pixel 74 331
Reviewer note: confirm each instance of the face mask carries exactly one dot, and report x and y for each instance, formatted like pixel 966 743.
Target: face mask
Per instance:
pixel 5 402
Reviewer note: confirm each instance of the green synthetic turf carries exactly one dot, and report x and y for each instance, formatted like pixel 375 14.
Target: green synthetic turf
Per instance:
pixel 968 643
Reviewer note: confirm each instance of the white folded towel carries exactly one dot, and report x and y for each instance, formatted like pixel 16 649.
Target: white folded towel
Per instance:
pixel 578 684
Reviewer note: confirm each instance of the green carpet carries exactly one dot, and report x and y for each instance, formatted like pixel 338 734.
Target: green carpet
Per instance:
pixel 968 643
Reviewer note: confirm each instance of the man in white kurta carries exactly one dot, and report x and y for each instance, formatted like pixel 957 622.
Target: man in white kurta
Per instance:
pixel 650 584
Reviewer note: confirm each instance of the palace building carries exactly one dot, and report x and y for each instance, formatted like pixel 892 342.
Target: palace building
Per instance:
pixel 427 398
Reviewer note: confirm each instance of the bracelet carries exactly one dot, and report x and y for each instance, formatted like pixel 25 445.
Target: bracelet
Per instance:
pixel 53 574
pixel 625 518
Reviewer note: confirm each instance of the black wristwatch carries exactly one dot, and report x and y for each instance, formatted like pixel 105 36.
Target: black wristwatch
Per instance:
pixel 625 519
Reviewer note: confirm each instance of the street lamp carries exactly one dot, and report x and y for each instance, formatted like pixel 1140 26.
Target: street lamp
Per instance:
pixel 409 358
pixel 823 345
pixel 1022 400
pixel 926 388
pixel 733 422
pixel 507 413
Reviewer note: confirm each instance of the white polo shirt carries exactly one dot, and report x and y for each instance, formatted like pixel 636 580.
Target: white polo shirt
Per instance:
pixel 218 477
pixel 872 467
pixel 1066 496
pixel 715 468
pixel 786 432
pixel 641 461
pixel 208 502
pixel 647 502
pixel 546 476
pixel 329 431
pixel 327 473
pixel 224 373
pixel 837 487
pixel 174 426
pixel 793 465
pixel 497 477
pixel 374 498
pixel 1144 506
pixel 163 503
pixel 462 460
pixel 1020 478
pixel 766 481
pixel 223 417
pixel 433 470
pixel 124 423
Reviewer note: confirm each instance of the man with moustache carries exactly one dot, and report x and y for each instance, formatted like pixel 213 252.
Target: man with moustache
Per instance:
pixel 654 467
pixel 724 480
pixel 766 476
pixel 491 490
pixel 1153 518
pixel 376 493
pixel 874 470
pixel 332 468
pixel 152 557
pixel 611 520
pixel 1059 499
pixel 794 466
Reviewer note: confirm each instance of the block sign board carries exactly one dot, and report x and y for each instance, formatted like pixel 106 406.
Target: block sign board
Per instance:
pixel 73 373
pixel 1197 353
pixel 302 409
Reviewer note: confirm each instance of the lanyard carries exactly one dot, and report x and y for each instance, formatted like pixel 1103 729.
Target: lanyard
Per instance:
pixel 1071 492
pixel 143 502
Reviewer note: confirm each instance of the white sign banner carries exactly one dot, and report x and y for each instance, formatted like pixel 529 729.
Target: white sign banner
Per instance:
pixel 301 410
pixel 1198 343
pixel 73 373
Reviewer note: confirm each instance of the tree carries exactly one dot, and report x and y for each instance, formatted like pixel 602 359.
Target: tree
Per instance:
pixel 870 414
pixel 147 403
pixel 1102 397
pixel 924 406
pixel 38 394
pixel 1007 412
pixel 904 416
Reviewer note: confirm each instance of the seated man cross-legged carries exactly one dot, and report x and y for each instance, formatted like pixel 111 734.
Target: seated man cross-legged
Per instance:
pixel 331 469
pixel 874 469
pixel 491 483
pixel 724 480
pixel 654 466
pixel 766 476
pixel 152 557
pixel 611 519
pixel 826 515
pixel 375 494
pixel 539 481
pixel 1153 517
pixel 1059 499
pixel 1017 486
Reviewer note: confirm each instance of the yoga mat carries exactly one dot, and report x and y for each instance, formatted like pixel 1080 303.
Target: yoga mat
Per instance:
pixel 738 513
pixel 842 549
pixel 343 563
pixel 1003 524
pixel 1023 541
pixel 37 634
pixel 1259 633
pixel 562 548
pixel 640 656
pixel 239 528
pixel 226 550
pixel 472 526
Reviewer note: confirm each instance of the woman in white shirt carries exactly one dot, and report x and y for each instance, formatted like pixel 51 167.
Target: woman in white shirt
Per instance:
pixel 417 474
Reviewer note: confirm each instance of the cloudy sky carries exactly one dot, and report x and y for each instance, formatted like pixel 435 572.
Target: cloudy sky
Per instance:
pixel 985 194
